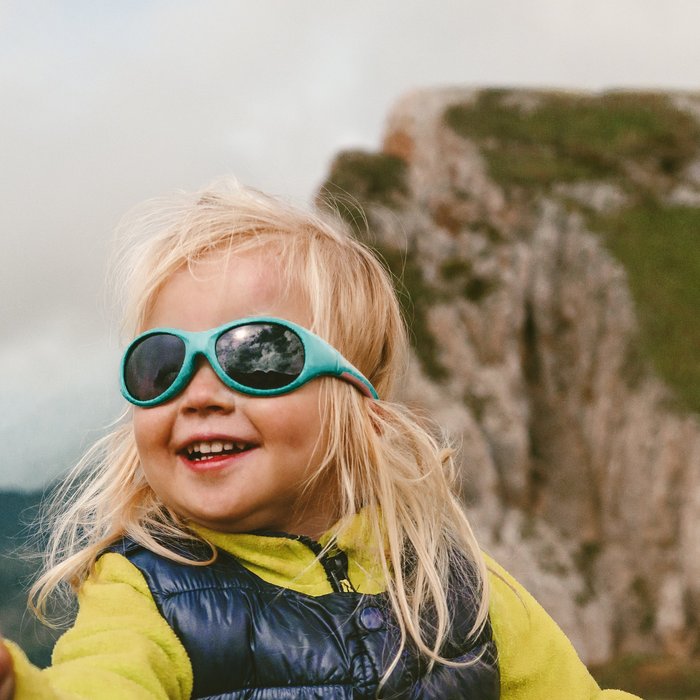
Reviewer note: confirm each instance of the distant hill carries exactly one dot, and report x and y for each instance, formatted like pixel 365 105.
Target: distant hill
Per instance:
pixel 17 510
pixel 17 568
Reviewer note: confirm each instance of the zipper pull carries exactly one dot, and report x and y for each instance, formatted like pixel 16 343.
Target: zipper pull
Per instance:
pixel 335 562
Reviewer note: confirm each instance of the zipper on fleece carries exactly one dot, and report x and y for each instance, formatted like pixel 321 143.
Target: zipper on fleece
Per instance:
pixel 334 561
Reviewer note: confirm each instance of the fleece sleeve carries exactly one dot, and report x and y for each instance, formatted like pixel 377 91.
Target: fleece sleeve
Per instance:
pixel 120 647
pixel 536 659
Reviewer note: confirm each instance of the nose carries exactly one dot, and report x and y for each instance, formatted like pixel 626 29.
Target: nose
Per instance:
pixel 206 393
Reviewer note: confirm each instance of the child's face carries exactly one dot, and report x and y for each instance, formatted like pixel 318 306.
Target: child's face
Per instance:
pixel 262 486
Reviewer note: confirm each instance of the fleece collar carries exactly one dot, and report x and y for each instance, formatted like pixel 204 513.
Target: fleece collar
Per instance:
pixel 284 561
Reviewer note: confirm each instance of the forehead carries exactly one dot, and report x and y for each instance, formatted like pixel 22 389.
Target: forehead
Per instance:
pixel 223 287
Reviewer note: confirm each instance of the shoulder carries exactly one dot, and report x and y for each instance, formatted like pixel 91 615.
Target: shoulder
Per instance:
pixel 516 615
pixel 514 612
pixel 119 645
pixel 184 555
pixel 127 573
pixel 193 566
pixel 536 659
pixel 508 600
pixel 114 567
pixel 115 583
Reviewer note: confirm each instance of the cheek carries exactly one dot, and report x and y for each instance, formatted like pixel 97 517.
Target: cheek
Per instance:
pixel 149 431
pixel 294 421
pixel 140 424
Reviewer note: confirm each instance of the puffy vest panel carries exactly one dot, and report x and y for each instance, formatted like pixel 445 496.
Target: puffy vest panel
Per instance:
pixel 248 639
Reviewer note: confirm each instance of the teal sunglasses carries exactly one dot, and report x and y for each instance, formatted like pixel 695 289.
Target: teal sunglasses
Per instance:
pixel 260 356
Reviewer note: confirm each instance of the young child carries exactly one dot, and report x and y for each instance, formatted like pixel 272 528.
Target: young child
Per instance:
pixel 266 522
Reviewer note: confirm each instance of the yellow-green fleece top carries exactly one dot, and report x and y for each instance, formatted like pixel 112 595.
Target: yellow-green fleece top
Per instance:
pixel 120 647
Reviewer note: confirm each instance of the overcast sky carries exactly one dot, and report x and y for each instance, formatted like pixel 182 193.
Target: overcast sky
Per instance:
pixel 107 103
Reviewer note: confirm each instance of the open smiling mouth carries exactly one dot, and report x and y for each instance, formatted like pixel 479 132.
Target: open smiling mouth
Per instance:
pixel 202 451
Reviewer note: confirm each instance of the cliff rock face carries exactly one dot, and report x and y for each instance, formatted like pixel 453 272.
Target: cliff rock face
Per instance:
pixel 506 215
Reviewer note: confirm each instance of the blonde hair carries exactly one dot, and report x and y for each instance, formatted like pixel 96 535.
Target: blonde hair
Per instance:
pixel 384 459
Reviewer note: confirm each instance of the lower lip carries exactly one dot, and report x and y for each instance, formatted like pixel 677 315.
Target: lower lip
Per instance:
pixel 215 464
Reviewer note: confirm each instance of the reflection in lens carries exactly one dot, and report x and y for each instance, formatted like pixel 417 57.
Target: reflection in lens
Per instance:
pixel 261 355
pixel 153 365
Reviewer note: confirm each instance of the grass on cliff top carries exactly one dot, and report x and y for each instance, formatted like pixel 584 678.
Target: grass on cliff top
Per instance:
pixel 567 137
pixel 358 178
pixel 660 250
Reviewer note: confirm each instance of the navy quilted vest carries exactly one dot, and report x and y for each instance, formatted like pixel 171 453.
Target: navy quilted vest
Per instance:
pixel 249 639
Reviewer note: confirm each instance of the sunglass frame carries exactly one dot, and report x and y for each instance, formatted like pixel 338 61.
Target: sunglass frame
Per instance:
pixel 320 359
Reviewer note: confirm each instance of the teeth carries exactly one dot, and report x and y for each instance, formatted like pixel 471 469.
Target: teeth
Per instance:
pixel 216 447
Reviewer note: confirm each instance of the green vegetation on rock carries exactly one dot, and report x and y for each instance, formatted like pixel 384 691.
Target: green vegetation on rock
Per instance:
pixel 359 178
pixel 416 297
pixel 659 247
pixel 563 137
pixel 458 272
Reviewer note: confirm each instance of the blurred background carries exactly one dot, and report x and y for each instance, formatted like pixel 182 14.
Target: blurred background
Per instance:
pixel 107 104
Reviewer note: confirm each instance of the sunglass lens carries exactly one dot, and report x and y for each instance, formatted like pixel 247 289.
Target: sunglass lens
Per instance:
pixel 153 365
pixel 261 355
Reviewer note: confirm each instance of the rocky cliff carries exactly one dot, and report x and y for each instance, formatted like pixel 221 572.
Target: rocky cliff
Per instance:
pixel 547 246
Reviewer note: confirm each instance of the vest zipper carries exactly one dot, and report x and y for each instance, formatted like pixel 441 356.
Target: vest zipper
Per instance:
pixel 334 561
pixel 335 564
